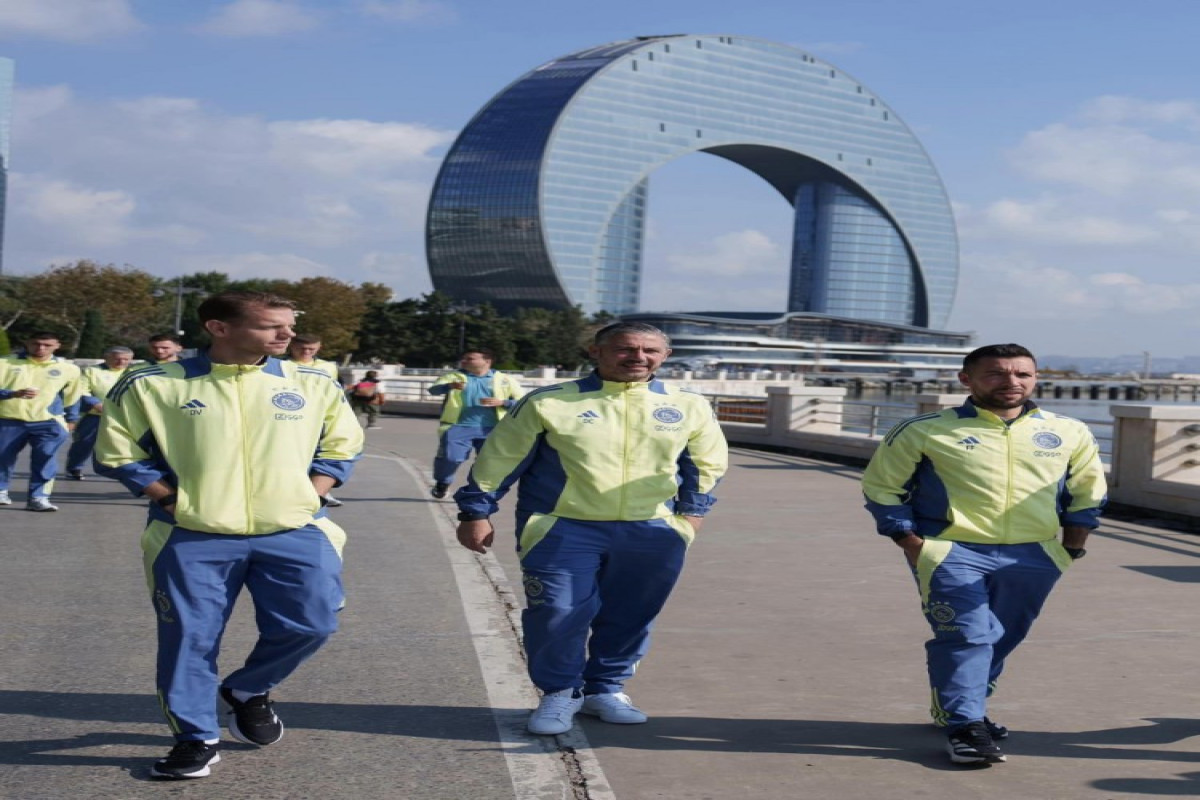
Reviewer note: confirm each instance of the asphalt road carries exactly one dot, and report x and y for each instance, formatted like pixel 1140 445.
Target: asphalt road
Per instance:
pixel 789 662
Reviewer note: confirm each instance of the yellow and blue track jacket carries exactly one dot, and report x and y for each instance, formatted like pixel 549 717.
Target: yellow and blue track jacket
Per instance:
pixel 58 381
pixel 965 475
pixel 238 443
pixel 597 450
pixel 326 366
pixel 98 381
pixel 504 387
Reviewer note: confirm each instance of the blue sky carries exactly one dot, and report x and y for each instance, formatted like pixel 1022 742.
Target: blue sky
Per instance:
pixel 301 137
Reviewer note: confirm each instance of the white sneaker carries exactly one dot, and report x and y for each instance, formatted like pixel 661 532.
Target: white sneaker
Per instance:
pixel 616 708
pixel 332 502
pixel 556 712
pixel 40 504
pixel 5 500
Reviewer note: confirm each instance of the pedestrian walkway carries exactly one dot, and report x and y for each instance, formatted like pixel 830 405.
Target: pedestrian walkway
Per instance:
pixel 788 664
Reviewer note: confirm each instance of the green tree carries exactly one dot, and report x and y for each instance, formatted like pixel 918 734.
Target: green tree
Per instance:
pixel 60 298
pixel 94 338
pixel 5 345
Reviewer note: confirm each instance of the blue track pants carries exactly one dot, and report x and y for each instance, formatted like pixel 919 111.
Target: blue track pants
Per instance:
pixel 294 579
pixel 454 448
pixel 592 591
pixel 44 439
pixel 79 455
pixel 980 600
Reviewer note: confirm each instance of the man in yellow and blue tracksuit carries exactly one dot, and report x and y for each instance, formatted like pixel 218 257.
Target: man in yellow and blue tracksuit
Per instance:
pixel 474 399
pixel 976 497
pixel 39 403
pixel 616 474
pixel 303 350
pixel 97 381
pixel 235 450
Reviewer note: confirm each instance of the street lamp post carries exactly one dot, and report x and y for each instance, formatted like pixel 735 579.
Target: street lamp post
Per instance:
pixel 180 291
pixel 462 309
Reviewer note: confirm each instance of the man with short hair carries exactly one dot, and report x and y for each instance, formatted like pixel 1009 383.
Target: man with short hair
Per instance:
pixel 235 450
pixel 97 381
pixel 39 397
pixel 616 473
pixel 975 496
pixel 165 348
pixel 303 350
pixel 474 399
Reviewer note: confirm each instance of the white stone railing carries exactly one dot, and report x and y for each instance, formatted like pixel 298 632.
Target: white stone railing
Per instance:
pixel 1155 462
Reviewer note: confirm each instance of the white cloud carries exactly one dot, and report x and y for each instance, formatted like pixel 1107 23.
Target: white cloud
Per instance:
pixel 246 18
pixel 172 185
pixel 409 10
pixel 1051 221
pixel 740 253
pixel 68 20
pixel 741 271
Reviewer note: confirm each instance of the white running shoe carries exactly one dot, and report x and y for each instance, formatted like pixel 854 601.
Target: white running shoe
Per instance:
pixel 556 712
pixel 332 502
pixel 5 500
pixel 40 504
pixel 616 708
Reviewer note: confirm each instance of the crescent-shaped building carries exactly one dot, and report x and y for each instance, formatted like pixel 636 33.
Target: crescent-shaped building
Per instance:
pixel 541 201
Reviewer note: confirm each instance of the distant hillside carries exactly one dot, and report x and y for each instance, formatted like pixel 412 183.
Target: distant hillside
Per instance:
pixel 1120 365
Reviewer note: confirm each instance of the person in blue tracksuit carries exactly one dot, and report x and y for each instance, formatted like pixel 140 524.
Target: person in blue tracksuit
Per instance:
pixel 474 398
pixel 97 382
pixel 236 450
pixel 616 474
pixel 991 502
pixel 39 404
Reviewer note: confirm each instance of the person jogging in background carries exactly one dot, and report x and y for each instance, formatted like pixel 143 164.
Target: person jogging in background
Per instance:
pixel 39 405
pixel 976 496
pixel 97 381
pixel 366 397
pixel 164 348
pixel 616 472
pixel 235 449
pixel 303 350
pixel 474 399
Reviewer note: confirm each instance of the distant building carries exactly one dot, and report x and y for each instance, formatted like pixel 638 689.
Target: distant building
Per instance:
pixel 805 342
pixel 6 96
pixel 541 201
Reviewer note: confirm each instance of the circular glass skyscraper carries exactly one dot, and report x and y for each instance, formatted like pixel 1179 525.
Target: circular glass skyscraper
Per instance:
pixel 541 200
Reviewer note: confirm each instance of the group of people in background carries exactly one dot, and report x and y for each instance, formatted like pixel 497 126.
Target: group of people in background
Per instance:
pixel 47 401
pixel 990 503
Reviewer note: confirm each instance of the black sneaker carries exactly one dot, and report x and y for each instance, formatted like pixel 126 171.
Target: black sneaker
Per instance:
pixel 997 730
pixel 972 744
pixel 253 721
pixel 439 490
pixel 187 760
pixel 75 475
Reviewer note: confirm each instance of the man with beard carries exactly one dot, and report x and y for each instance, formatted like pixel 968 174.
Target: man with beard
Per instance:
pixel 975 496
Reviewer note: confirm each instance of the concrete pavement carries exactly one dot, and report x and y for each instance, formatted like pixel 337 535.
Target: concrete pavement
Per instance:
pixel 788 664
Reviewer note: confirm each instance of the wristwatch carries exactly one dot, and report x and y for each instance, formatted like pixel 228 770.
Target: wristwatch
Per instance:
pixel 467 516
pixel 1075 553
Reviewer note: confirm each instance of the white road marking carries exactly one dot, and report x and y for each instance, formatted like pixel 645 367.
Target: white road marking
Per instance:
pixel 535 763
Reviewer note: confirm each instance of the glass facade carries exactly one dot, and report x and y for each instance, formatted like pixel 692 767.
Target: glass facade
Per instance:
pixel 6 97
pixel 541 200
